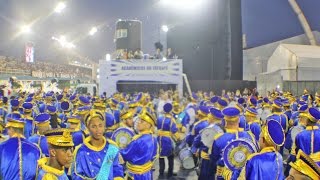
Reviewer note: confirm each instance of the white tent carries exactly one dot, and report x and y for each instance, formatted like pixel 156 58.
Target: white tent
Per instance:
pixel 296 62
pixel 290 62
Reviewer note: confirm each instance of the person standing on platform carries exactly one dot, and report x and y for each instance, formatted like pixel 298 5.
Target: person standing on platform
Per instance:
pixel 61 147
pixel 18 156
pixel 167 135
pixel 142 151
pixel 97 157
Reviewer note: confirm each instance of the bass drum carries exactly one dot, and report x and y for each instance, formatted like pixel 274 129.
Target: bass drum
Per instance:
pixel 208 133
pixel 186 158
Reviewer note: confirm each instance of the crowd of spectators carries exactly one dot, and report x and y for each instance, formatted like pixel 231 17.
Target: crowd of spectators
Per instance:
pixel 11 65
pixel 138 54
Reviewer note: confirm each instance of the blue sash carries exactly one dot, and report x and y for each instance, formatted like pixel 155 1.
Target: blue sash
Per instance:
pixel 107 162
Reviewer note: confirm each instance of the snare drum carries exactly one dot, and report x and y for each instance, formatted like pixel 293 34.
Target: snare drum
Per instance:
pixel 186 158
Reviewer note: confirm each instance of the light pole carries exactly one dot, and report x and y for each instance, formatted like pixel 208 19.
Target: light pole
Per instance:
pixel 164 29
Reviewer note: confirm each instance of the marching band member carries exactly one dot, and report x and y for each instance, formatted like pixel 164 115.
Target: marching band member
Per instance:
pixel 267 164
pixel 126 117
pixel 60 147
pixel 167 134
pixel 76 132
pixel 43 125
pixel 206 167
pixel 29 123
pixel 232 131
pixel 97 157
pixel 142 151
pixel 253 122
pixel 18 156
pixel 304 168
pixel 308 139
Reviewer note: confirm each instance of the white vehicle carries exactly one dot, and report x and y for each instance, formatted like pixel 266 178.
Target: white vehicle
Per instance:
pixel 91 89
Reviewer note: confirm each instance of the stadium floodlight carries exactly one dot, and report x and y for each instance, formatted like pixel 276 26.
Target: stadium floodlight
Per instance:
pixel 60 7
pixel 25 29
pixel 181 4
pixel 165 28
pixel 93 31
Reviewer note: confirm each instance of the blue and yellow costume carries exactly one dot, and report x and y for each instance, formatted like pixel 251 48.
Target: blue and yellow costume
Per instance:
pixel 167 135
pixel 167 128
pixel 267 164
pixel 305 166
pixel 207 167
pixel 142 151
pixel 29 123
pixel 60 138
pixel 42 120
pixel 111 124
pixel 19 157
pixel 308 140
pixel 3 108
pixel 96 162
pixel 279 116
pixel 200 124
pixel 231 114
pixel 254 126
pixel 77 134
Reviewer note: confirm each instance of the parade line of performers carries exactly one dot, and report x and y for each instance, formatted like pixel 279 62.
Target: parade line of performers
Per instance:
pixel 68 136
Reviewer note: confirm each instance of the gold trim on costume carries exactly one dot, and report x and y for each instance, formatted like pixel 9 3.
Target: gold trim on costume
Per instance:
pixel 48 169
pixel 139 169
pixel 299 165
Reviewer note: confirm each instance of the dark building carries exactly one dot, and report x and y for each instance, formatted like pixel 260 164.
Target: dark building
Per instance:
pixel 209 41
pixel 128 35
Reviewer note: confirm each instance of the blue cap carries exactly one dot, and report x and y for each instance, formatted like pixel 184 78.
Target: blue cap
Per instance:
pixel 194 96
pixel 109 118
pixel 59 97
pixel 29 99
pixel 84 101
pixel 14 103
pixel 15 120
pixel 251 111
pixel 51 109
pixel 273 133
pixel 277 104
pixel 83 109
pixel 305 97
pixel 42 118
pixel 222 102
pixel 31 95
pixel 204 110
pixel 241 100
pixel 253 102
pixel 167 107
pixel 65 106
pixel 27 106
pixel 303 108
pixel 266 100
pixel 302 102
pixel 314 114
pixel 231 113
pixel 72 98
pixel 214 99
pixel 216 113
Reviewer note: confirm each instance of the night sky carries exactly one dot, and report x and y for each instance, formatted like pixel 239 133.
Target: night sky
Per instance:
pixel 259 25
